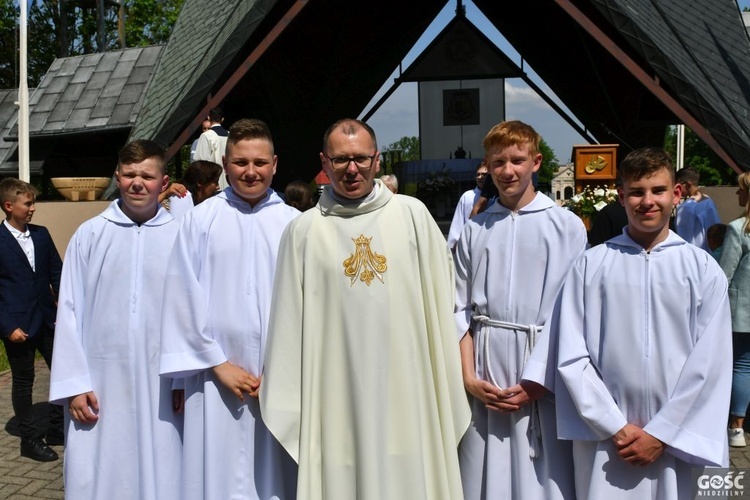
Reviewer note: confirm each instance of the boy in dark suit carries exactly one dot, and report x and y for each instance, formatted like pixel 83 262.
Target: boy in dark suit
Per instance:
pixel 30 270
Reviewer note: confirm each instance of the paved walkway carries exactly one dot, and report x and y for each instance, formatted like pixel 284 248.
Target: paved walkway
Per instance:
pixel 22 478
pixel 25 479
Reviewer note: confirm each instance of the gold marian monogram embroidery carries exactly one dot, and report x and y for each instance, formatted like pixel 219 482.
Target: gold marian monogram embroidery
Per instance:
pixel 364 262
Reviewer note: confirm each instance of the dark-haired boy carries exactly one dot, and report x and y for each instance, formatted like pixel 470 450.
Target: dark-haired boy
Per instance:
pixel 123 436
pixel 214 325
pixel 697 213
pixel 645 355
pixel 29 277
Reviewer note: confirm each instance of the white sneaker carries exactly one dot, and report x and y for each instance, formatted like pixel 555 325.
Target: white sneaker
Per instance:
pixel 736 438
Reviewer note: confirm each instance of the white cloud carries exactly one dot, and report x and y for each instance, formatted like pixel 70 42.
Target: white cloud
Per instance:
pixel 522 95
pixel 398 116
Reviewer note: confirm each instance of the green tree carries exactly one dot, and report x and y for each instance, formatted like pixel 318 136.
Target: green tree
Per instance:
pixel 550 164
pixel 44 44
pixel 8 44
pixel 41 43
pixel 699 156
pixel 60 28
pixel 409 147
pixel 149 22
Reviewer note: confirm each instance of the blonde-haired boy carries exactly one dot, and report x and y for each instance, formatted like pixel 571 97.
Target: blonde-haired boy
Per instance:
pixel 29 280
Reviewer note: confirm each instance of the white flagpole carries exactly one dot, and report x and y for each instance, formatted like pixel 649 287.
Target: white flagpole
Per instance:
pixel 23 103
pixel 680 147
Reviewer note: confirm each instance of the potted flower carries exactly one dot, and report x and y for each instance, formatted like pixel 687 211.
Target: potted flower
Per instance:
pixel 589 201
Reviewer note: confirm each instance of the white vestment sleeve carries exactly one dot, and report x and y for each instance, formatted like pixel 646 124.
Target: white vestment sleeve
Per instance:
pixel 463 308
pixel 541 367
pixel 684 423
pixel 70 371
pixel 286 324
pixel 178 207
pixel 586 393
pixel 203 149
pixel 460 216
pixel 187 347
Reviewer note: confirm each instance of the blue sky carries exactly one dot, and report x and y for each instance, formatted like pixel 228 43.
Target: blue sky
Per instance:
pixel 398 116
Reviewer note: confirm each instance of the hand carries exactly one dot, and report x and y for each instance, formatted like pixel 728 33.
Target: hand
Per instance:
pixel 513 398
pixel 178 401
pixel 637 446
pixel 18 336
pixel 176 189
pixel 81 407
pixel 484 391
pixel 237 380
pixel 254 393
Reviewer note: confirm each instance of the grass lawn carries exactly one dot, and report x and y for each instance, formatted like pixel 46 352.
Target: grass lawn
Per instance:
pixel 4 366
pixel 3 361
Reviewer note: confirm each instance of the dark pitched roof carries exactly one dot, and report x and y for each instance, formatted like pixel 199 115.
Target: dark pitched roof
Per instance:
pixel 697 50
pixel 8 117
pixel 8 114
pixel 704 59
pixel 92 92
pixel 329 61
pixel 205 38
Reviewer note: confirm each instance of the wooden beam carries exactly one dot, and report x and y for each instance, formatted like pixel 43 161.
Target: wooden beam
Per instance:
pixel 651 83
pixel 216 99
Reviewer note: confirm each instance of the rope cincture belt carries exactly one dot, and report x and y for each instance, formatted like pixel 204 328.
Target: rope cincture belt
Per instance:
pixel 534 431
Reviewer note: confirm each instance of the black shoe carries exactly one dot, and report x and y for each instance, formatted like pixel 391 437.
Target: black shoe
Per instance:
pixel 55 439
pixel 36 449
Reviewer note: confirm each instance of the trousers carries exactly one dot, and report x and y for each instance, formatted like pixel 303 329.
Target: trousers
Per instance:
pixel 21 359
pixel 740 375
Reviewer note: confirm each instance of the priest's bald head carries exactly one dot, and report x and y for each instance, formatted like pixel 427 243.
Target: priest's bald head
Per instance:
pixel 351 158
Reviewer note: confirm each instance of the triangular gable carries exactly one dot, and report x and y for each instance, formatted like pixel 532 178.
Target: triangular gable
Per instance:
pixel 460 51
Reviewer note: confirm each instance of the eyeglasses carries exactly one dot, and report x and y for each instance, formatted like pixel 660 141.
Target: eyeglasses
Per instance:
pixel 363 162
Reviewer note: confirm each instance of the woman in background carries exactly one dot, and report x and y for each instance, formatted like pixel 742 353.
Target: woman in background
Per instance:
pixel 736 265
pixel 201 180
pixel 297 194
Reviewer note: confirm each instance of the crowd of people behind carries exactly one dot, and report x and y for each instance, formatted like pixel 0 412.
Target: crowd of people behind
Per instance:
pixel 230 343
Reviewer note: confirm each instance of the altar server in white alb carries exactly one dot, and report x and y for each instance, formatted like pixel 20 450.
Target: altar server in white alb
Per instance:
pixel 645 350
pixel 510 264
pixel 216 305
pixel 363 378
pixel 465 205
pixel 122 434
